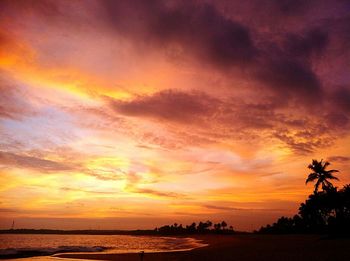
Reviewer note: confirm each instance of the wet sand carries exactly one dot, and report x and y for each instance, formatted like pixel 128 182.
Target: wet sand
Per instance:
pixel 245 247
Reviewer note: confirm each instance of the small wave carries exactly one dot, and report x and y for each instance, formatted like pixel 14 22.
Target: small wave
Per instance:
pixel 30 252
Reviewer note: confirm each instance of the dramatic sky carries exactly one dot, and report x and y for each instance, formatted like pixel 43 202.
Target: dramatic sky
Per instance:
pixel 133 114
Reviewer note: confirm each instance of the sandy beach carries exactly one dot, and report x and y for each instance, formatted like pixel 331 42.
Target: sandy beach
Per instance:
pixel 245 247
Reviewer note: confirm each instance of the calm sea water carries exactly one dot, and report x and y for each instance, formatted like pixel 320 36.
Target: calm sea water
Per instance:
pixel 12 245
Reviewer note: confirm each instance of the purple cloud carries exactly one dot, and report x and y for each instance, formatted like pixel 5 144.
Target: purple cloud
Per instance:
pixel 169 105
pixel 198 28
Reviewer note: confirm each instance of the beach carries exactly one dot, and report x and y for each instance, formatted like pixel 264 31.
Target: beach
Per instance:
pixel 245 247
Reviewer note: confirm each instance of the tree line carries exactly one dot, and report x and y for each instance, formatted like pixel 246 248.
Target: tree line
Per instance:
pixel 326 211
pixel 200 228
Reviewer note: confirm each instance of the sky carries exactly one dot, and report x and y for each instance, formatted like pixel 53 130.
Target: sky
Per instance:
pixel 135 114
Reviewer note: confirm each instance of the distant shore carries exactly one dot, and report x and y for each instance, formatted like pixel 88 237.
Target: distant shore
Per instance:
pixel 244 247
pixel 141 232
pixel 78 232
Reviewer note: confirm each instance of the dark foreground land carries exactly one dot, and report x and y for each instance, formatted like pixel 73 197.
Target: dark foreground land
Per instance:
pixel 246 247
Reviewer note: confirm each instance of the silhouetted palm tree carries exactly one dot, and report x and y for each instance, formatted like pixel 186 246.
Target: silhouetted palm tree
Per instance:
pixel 223 225
pixel 321 174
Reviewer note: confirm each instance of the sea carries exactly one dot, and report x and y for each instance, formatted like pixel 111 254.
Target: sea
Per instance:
pixel 44 247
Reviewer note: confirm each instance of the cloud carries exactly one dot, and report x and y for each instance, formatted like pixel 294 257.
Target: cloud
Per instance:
pixel 69 161
pixel 8 210
pixel 134 183
pixel 23 161
pixel 341 159
pixel 341 99
pixel 198 28
pixel 289 7
pixel 287 70
pixel 197 107
pixel 203 31
pixel 221 208
pixel 224 208
pixel 233 118
pixel 13 103
pixel 44 11
pixel 290 79
pixel 338 114
pixel 303 142
pixel 102 175
pixel 158 193
pixel 170 105
pixel 43 7
pixel 338 121
pixel 313 42
pixel 87 191
pixel 207 34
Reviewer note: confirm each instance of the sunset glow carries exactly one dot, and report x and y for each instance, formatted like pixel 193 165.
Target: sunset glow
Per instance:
pixel 134 114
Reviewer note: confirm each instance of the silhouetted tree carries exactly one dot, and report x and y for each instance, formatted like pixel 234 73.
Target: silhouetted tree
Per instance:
pixel 321 175
pixel 201 228
pixel 217 226
pixel 208 224
pixel 204 226
pixel 191 228
pixel 323 212
pixel 327 211
pixel 223 225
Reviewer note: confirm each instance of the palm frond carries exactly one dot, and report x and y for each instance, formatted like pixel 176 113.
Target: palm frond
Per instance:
pixel 328 174
pixel 313 165
pixel 326 164
pixel 332 170
pixel 311 177
pixel 332 177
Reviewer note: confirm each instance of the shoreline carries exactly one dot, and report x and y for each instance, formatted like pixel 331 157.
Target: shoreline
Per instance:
pixel 153 255
pixel 176 244
pixel 241 247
